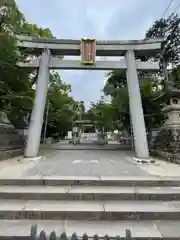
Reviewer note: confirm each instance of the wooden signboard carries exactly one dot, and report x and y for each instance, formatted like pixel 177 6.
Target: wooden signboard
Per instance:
pixel 88 51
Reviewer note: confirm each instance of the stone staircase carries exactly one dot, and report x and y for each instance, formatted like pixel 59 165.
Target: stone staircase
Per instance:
pixel 148 206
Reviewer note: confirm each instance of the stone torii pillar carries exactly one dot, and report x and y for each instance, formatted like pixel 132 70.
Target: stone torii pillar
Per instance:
pixel 136 110
pixel 35 126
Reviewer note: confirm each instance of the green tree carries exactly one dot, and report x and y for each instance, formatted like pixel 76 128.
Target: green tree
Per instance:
pixel 116 87
pixel 152 89
pixel 11 19
pixel 169 29
pixel 63 109
pixel 34 31
pixel 16 92
pixel 14 82
pixel 102 114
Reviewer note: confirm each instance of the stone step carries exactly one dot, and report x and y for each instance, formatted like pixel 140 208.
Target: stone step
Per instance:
pixel 78 192
pixel 147 230
pixel 93 180
pixel 89 210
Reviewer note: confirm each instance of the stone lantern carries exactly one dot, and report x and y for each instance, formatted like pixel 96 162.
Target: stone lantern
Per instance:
pixel 172 110
pixel 168 140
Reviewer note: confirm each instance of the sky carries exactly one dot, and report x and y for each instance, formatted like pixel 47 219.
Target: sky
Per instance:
pixel 101 19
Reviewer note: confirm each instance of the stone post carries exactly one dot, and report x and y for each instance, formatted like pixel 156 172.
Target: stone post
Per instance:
pixel 138 124
pixel 36 122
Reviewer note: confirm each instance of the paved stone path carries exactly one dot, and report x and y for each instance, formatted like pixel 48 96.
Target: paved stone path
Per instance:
pixel 71 162
pixel 87 163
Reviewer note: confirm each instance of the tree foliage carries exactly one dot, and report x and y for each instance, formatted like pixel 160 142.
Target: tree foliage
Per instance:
pixel 170 31
pixel 62 108
pixel 152 87
pixel 17 86
pixel 103 115
pixel 116 87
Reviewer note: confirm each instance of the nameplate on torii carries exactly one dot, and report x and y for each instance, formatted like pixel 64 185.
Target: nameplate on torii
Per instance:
pixel 88 51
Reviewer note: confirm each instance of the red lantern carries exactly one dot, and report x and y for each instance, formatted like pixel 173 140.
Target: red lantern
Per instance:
pixel 88 51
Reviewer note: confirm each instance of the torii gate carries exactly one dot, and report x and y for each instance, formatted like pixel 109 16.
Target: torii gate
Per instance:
pixel 50 48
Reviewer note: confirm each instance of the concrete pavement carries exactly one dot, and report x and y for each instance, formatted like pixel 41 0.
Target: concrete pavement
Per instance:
pixel 87 163
pixel 93 191
pixel 84 163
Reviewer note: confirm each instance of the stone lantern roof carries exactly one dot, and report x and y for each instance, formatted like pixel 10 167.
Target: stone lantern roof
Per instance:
pixel 173 93
pixel 172 96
